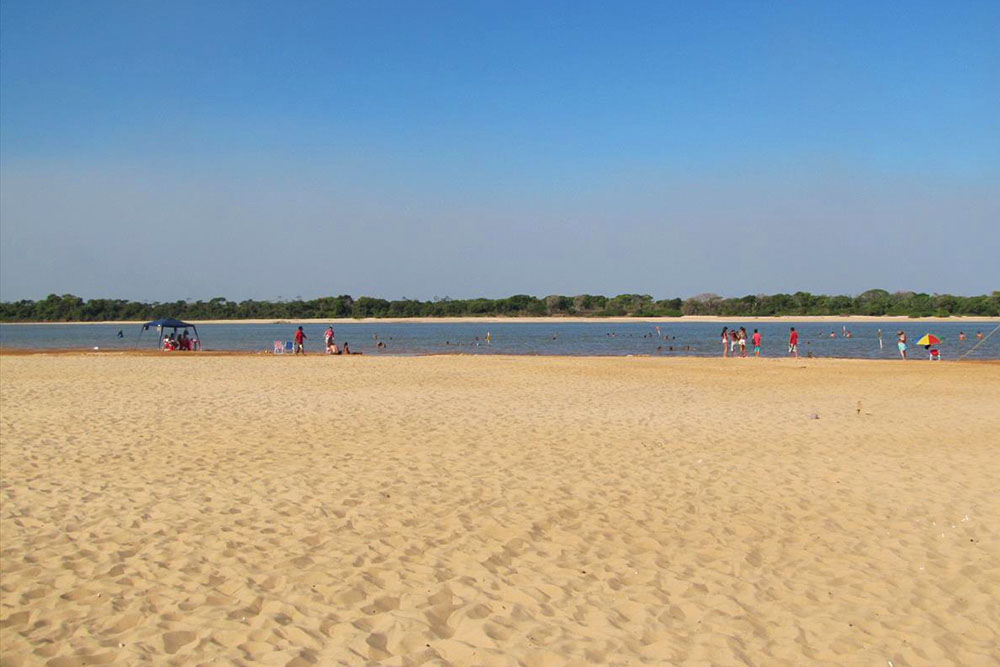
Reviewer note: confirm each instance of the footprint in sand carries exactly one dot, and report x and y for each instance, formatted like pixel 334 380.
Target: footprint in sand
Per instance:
pixel 16 619
pixel 479 611
pixel 79 661
pixel 123 623
pixel 378 643
pixel 173 641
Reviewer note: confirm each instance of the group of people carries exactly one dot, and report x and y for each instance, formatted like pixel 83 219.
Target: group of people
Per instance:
pixel 737 338
pixel 933 353
pixel 735 342
pixel 733 339
pixel 329 343
pixel 931 350
pixel 961 335
pixel 180 342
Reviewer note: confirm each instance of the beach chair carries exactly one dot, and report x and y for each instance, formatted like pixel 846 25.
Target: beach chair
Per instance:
pixel 289 348
pixel 935 355
pixel 279 347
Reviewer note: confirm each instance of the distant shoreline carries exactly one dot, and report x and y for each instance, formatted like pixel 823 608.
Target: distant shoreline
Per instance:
pixel 972 319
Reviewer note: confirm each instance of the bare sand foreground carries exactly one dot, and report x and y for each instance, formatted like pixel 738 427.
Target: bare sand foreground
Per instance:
pixel 497 510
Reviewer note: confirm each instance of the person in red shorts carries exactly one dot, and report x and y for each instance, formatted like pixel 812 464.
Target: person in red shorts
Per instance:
pixel 300 337
pixel 793 343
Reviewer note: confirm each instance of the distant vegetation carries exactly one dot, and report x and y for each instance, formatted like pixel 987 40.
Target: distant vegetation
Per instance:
pixel 69 308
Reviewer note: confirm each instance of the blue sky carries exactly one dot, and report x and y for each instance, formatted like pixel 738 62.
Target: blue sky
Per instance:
pixel 160 151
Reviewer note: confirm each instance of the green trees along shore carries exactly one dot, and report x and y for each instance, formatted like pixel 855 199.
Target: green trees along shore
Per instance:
pixel 69 308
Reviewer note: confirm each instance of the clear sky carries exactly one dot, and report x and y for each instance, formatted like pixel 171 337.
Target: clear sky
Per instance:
pixel 186 150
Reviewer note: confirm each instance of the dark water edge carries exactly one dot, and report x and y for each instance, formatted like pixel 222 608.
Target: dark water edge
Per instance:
pixel 597 338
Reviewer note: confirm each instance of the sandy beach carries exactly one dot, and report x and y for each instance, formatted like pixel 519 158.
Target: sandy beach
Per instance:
pixel 722 320
pixel 239 509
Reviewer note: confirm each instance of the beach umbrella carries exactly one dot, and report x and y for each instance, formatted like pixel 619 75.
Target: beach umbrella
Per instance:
pixel 929 339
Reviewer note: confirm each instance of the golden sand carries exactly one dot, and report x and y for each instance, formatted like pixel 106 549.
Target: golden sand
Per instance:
pixel 500 319
pixel 497 511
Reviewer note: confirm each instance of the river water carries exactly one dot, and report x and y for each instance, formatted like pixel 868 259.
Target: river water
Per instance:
pixel 597 338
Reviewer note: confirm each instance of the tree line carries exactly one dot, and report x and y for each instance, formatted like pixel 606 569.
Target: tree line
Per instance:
pixel 70 308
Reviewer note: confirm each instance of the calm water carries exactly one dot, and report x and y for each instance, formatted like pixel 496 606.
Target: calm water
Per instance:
pixel 579 339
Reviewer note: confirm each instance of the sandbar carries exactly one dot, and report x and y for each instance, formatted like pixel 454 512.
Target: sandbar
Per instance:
pixel 721 319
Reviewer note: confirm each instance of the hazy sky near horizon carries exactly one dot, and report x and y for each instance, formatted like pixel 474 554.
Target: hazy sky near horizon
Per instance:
pixel 187 150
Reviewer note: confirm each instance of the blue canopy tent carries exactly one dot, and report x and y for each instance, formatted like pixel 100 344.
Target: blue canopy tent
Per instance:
pixel 168 323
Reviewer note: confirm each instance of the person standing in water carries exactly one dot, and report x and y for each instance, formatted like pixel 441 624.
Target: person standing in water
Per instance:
pixel 300 338
pixel 757 340
pixel 793 343
pixel 725 342
pixel 901 343
pixel 880 339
